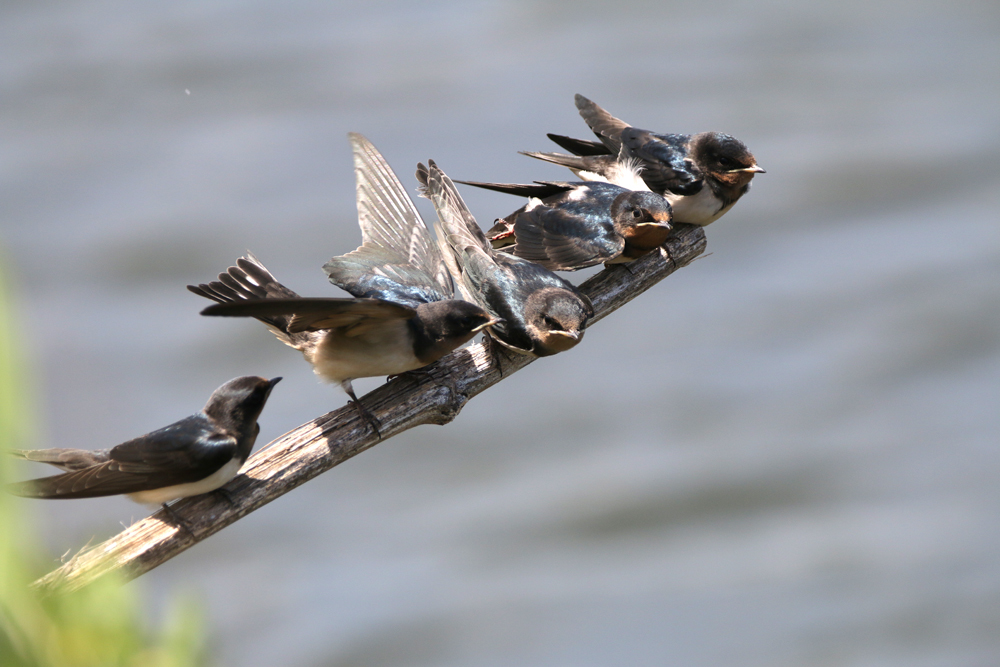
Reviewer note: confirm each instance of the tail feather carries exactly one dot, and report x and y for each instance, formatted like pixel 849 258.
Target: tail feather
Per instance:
pixel 91 482
pixel 539 189
pixel 250 280
pixel 579 146
pixel 62 458
pixel 587 168
pixel 216 291
pixel 34 488
pixel 264 285
pixel 561 159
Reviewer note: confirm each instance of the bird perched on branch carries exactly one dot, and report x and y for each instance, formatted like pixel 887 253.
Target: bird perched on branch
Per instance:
pixel 195 455
pixel 404 315
pixel 542 314
pixel 702 175
pixel 570 226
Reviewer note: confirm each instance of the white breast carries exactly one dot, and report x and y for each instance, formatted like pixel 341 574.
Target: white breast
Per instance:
pixel 385 350
pixel 697 209
pixel 158 497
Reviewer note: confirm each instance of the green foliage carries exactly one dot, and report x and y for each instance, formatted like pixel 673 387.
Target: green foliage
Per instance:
pixel 99 626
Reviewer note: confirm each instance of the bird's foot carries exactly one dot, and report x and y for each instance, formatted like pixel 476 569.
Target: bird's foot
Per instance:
pixel 417 375
pixel 368 418
pixel 442 378
pixel 496 351
pixel 433 373
pixel 665 253
pixel 181 523
pixel 221 492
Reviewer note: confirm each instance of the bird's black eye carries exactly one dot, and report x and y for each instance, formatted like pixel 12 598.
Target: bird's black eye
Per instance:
pixel 727 163
pixel 637 213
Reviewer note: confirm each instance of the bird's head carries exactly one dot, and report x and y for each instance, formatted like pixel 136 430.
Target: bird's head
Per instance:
pixel 557 318
pixel 724 158
pixel 641 212
pixel 445 325
pixel 236 405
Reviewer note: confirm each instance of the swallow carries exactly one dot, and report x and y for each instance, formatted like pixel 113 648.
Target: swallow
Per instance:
pixel 195 455
pixel 570 226
pixel 403 316
pixel 701 175
pixel 542 314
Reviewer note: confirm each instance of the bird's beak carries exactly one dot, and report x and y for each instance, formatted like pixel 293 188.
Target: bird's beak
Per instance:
pixel 560 341
pixel 750 170
pixel 495 320
pixel 273 382
pixel 666 217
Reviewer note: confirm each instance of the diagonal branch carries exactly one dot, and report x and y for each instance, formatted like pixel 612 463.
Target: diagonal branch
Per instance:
pixel 434 397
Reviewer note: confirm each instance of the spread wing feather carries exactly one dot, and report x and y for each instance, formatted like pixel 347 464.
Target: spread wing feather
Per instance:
pixel 397 259
pixel 464 245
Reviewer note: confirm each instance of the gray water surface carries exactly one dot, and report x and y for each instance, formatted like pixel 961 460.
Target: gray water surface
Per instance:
pixel 785 454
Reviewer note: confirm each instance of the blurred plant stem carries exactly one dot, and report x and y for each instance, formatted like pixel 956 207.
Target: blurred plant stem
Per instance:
pixel 101 625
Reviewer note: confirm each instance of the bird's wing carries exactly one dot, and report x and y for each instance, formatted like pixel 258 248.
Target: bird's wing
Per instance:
pixel 607 128
pixel 581 147
pixel 664 160
pixel 397 259
pixel 311 314
pixel 455 217
pixel 184 452
pixel 189 444
pixel 104 479
pixel 560 240
pixel 473 263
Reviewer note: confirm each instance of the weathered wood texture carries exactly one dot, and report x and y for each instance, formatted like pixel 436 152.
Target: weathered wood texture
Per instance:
pixel 315 447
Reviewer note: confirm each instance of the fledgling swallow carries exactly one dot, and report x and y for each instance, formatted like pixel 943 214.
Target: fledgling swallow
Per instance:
pixel 702 175
pixel 403 316
pixel 570 226
pixel 542 314
pixel 195 455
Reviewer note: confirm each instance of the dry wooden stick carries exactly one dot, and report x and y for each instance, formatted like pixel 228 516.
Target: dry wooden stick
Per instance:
pixel 434 397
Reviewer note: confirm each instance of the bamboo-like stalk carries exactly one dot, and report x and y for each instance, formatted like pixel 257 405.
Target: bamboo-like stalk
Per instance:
pixel 435 397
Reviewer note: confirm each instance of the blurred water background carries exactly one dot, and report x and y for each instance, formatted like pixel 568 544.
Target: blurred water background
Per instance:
pixel 785 454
